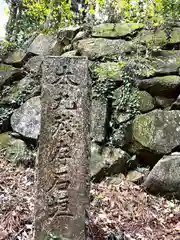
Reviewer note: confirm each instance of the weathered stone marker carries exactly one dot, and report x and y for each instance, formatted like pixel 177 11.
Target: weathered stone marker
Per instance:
pixel 62 165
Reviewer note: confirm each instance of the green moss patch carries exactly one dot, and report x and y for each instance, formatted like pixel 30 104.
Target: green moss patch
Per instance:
pixel 110 30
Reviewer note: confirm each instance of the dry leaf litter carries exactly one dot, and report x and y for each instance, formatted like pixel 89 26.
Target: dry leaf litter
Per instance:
pixel 119 209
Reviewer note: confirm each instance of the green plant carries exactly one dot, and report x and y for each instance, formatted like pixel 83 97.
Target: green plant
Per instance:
pixel 128 103
pixel 28 16
pixel 103 82
pixel 53 236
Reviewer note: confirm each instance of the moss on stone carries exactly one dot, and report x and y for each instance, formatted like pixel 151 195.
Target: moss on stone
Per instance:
pixel 13 150
pixel 160 38
pixel 16 57
pixel 115 30
pixel 15 90
pixel 157 38
pixel 157 131
pixel 4 140
pixel 143 129
pixel 108 70
pixel 145 100
pixel 4 67
pixel 167 78
pixel 166 53
pixel 175 36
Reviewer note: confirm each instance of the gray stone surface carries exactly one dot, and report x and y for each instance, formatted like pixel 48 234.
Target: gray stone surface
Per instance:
pixel 144 100
pixel 176 104
pixel 99 111
pixel 26 119
pixel 122 117
pixel 167 63
pixel 17 58
pixel 108 162
pixel 33 65
pixel 14 150
pixel 164 102
pixel 9 74
pixel 62 166
pixel 45 44
pixel 19 91
pixel 159 38
pixel 80 35
pixel 166 86
pixel 95 48
pixel 67 34
pixel 111 30
pixel 135 176
pixel 164 177
pixel 69 53
pixel 157 131
pixel 163 62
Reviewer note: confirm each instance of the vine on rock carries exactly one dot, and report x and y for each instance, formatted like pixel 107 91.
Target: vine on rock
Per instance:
pixel 128 103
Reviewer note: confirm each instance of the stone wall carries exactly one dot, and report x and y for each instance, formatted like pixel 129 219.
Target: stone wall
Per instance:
pixel 120 141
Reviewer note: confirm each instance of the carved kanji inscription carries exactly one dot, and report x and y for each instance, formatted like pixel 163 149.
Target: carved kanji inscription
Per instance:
pixel 62 164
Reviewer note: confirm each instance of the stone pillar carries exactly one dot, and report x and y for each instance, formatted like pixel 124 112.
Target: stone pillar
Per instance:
pixel 64 152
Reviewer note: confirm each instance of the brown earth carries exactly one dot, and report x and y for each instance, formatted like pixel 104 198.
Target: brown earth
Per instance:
pixel 118 207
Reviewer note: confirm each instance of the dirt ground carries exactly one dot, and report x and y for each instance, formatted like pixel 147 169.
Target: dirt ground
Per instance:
pixel 119 209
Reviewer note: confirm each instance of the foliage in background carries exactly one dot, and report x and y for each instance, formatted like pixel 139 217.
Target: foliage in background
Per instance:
pixel 30 16
pixel 27 16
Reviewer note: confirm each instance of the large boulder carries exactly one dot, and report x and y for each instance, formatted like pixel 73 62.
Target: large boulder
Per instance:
pixel 98 123
pixel 53 44
pixel 33 65
pixel 17 58
pixel 159 38
pixel 122 119
pixel 166 62
pixel 19 91
pixel 162 62
pixel 14 95
pixel 156 133
pixel 95 48
pixel 164 177
pixel 166 86
pixel 14 150
pixel 9 74
pixel 161 53
pixel 111 30
pixel 45 44
pixel 164 102
pixel 26 119
pixel 145 101
pixel 66 35
pixel 107 162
